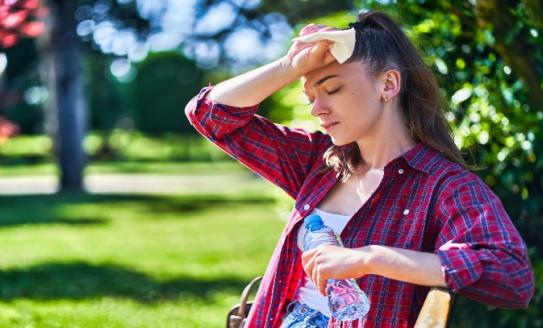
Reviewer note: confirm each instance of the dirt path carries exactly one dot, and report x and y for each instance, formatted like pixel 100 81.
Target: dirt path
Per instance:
pixel 135 183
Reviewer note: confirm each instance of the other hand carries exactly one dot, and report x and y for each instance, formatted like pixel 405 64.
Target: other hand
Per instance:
pixel 304 57
pixel 333 262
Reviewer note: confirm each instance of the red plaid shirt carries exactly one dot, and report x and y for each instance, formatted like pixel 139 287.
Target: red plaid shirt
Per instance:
pixel 424 203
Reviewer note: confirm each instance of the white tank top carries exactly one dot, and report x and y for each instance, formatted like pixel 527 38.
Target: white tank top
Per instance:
pixel 308 294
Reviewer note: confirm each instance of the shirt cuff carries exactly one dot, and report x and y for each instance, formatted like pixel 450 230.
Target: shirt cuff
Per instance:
pixel 461 267
pixel 226 114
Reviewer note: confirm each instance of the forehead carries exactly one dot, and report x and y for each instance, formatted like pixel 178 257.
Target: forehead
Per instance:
pixel 346 71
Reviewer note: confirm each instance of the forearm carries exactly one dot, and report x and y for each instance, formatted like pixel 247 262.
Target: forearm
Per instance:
pixel 406 265
pixel 253 87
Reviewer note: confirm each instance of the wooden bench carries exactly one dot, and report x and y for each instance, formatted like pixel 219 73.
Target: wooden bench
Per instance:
pixel 436 309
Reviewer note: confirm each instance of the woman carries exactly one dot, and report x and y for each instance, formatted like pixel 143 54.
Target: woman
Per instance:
pixel 386 175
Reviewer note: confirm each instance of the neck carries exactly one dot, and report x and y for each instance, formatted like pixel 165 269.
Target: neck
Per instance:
pixel 388 139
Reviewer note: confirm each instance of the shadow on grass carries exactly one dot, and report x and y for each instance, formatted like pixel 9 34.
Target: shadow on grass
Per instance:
pixel 45 219
pixel 52 209
pixel 81 280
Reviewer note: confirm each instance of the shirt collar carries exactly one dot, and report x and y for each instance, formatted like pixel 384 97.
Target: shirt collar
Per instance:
pixel 421 157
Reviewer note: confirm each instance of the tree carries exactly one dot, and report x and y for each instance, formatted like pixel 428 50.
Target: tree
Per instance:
pixel 67 112
pixel 23 18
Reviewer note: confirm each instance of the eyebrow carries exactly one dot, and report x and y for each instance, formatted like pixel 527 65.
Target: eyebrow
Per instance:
pixel 321 81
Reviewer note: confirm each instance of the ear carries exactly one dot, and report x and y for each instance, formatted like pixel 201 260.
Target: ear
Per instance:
pixel 391 83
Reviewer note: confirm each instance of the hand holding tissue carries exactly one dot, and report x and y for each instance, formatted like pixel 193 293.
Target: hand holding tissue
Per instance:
pixel 343 42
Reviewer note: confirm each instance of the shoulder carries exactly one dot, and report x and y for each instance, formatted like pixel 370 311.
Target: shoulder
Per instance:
pixel 459 185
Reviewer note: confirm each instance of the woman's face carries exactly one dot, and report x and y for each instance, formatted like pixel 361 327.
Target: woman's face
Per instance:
pixel 346 99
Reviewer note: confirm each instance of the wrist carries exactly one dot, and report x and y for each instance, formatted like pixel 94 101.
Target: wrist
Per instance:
pixel 286 68
pixel 368 259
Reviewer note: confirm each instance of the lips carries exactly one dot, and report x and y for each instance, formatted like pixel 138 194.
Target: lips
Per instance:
pixel 329 126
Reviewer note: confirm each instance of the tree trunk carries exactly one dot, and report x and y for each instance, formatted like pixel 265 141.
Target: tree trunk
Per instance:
pixel 68 106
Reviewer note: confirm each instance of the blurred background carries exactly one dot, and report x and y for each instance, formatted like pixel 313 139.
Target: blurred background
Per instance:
pixel 114 213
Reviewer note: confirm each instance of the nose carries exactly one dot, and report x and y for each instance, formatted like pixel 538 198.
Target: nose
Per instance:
pixel 319 107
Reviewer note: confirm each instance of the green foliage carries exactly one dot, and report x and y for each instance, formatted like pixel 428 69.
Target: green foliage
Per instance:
pixel 339 19
pixel 165 84
pixel 20 76
pixel 104 103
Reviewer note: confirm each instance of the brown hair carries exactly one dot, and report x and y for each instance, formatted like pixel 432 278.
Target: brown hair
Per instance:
pixel 381 45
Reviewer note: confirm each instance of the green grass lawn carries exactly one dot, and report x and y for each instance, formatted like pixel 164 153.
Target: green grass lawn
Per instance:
pixel 115 260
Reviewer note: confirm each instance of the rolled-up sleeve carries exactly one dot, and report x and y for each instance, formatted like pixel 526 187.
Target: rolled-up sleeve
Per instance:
pixel 482 254
pixel 282 155
pixel 215 121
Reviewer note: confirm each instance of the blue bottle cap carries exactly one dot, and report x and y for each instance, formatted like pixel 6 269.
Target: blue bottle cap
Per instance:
pixel 313 222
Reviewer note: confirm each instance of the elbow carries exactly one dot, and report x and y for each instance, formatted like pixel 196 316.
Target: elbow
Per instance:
pixel 503 291
pixel 195 105
pixel 516 294
pixel 521 301
pixel 196 114
pixel 190 108
pixel 525 286
pixel 525 292
pixel 494 278
pixel 512 299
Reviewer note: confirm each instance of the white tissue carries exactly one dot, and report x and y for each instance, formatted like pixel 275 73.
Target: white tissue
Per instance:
pixel 343 42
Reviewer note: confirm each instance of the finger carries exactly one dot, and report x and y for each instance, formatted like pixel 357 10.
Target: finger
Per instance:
pixel 327 55
pixel 300 47
pixel 321 48
pixel 311 28
pixel 327 28
pixel 307 255
pixel 315 275
pixel 318 276
pixel 321 284
pixel 309 267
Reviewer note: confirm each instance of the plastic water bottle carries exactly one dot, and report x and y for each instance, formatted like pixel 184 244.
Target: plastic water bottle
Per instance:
pixel 346 300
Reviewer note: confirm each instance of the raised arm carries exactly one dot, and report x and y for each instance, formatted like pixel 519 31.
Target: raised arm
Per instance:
pixel 253 87
pixel 226 115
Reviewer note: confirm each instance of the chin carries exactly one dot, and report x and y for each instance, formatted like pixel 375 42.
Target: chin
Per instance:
pixel 339 142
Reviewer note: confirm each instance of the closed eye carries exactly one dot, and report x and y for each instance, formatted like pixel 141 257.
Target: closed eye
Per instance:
pixel 310 101
pixel 333 91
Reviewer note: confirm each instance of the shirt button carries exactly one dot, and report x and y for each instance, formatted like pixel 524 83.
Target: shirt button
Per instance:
pixel 400 171
pixel 406 211
pixel 306 207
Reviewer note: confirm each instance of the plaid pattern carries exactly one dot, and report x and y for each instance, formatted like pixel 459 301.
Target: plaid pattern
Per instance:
pixel 424 203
